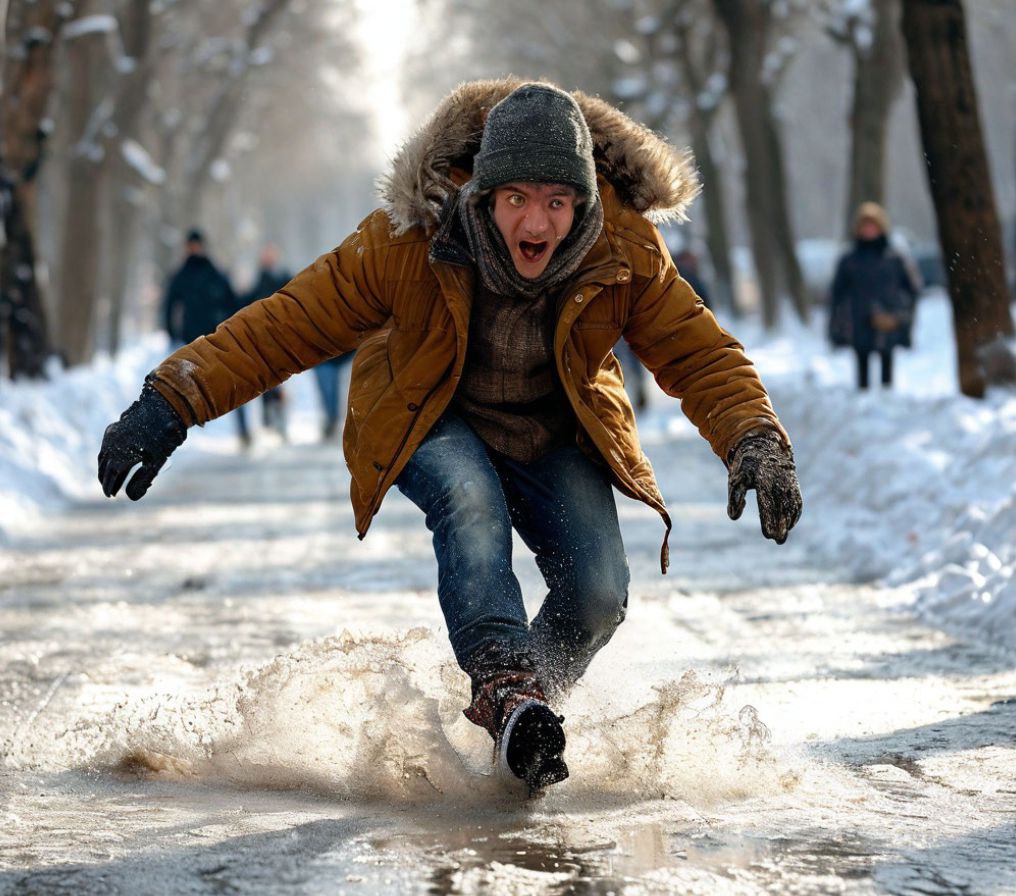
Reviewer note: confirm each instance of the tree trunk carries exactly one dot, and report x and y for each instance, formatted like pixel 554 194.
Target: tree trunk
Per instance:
pixel 124 221
pixel 747 24
pixel 701 122
pixel 717 232
pixel 23 335
pixel 960 182
pixel 878 78
pixel 124 191
pixel 30 39
pixel 81 244
pixel 786 243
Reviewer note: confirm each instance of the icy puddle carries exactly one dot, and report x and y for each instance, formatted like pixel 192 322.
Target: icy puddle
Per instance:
pixel 222 691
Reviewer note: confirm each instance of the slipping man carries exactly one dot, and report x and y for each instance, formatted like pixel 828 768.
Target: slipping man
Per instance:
pixel 483 301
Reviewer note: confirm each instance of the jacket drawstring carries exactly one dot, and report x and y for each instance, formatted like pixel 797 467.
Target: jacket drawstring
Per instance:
pixel 665 550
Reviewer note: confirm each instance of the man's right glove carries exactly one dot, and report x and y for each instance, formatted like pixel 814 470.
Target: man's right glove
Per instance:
pixel 147 433
pixel 762 462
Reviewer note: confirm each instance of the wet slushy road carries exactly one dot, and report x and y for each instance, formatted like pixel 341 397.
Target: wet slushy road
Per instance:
pixel 220 690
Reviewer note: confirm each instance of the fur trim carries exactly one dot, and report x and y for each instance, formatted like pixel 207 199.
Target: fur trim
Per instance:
pixel 648 173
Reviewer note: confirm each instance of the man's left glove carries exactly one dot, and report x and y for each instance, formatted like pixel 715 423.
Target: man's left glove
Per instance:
pixel 147 433
pixel 761 461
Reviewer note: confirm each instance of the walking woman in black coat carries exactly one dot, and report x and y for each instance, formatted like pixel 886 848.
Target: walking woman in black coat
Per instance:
pixel 873 295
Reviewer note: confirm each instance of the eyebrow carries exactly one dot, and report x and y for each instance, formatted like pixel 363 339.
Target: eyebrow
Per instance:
pixel 562 190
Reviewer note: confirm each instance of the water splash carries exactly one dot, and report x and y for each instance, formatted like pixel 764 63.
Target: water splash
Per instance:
pixel 379 717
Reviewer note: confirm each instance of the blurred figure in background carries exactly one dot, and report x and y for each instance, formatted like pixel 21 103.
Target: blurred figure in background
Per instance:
pixel 635 379
pixel 271 278
pixel 198 296
pixel 327 376
pixel 687 263
pixel 873 295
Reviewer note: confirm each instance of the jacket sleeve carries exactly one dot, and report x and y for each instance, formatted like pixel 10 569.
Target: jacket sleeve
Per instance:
pixel 326 310
pixel 698 362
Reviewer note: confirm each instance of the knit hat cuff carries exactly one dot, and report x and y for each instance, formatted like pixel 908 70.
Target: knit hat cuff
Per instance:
pixel 534 165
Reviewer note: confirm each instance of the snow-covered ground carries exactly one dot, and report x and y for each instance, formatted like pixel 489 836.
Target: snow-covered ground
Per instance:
pixel 916 486
pixel 220 689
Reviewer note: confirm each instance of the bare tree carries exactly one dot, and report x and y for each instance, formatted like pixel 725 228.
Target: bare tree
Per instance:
pixel 130 165
pixel 86 109
pixel 677 74
pixel 754 68
pixel 31 34
pixel 871 34
pixel 223 112
pixel 960 181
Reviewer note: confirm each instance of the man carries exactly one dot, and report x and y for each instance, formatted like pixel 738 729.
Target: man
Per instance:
pixel 198 297
pixel 271 278
pixel 873 295
pixel 327 376
pixel 483 307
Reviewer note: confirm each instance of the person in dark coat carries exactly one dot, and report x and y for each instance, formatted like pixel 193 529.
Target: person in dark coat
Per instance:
pixel 688 267
pixel 198 297
pixel 271 278
pixel 328 376
pixel 873 295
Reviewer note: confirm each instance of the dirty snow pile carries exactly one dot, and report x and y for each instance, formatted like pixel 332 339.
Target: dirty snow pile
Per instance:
pixel 915 487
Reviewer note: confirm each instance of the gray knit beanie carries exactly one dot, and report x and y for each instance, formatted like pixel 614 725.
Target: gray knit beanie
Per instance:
pixel 536 134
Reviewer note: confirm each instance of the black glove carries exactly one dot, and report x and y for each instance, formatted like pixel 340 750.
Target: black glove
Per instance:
pixel 147 433
pixel 761 461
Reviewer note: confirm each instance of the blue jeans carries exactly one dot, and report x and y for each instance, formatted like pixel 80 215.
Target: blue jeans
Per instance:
pixel 326 375
pixel 563 507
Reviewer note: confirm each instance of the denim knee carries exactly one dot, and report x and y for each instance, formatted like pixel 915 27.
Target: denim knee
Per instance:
pixel 475 517
pixel 601 599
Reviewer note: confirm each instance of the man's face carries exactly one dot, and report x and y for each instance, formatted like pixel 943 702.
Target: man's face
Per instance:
pixel 269 257
pixel 534 219
pixel 869 229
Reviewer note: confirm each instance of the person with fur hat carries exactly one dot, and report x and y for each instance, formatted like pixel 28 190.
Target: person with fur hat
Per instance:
pixel 514 249
pixel 873 295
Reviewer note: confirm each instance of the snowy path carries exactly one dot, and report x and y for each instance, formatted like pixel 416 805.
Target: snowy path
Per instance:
pixel 140 757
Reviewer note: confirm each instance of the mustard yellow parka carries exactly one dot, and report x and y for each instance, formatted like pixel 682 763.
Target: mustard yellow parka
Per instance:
pixel 401 300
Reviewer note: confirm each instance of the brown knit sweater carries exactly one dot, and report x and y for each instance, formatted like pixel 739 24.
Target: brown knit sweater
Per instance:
pixel 510 392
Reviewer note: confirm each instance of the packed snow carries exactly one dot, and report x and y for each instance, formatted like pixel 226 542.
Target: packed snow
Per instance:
pixel 914 488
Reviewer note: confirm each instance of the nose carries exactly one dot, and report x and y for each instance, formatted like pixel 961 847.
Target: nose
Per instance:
pixel 536 222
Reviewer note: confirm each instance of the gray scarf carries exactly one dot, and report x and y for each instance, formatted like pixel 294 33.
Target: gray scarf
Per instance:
pixel 493 259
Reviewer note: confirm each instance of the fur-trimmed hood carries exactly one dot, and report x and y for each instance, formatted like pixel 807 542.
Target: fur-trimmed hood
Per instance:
pixel 649 174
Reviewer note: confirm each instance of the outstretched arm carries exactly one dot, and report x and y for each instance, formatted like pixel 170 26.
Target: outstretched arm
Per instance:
pixel 325 311
pixel 698 362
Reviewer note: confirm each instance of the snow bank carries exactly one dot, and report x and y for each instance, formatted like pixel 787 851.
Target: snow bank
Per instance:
pixel 50 431
pixel 916 487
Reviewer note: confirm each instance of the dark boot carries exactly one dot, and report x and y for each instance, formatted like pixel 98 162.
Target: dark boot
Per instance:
pixel 528 738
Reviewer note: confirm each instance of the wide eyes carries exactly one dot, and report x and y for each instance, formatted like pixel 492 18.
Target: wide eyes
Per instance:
pixel 517 200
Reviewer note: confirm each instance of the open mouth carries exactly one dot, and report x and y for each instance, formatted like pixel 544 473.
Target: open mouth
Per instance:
pixel 532 251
